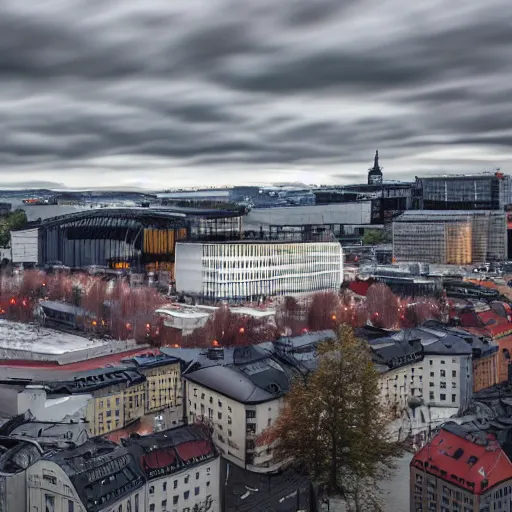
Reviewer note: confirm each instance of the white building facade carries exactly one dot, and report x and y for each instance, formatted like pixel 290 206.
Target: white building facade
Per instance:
pixel 425 392
pixel 236 425
pixel 249 271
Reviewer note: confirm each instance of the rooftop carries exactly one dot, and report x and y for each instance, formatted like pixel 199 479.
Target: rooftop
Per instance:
pixel 126 467
pixel 37 339
pixel 80 366
pixel 468 455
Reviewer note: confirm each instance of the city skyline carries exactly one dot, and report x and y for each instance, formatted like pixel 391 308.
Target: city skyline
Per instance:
pixel 157 94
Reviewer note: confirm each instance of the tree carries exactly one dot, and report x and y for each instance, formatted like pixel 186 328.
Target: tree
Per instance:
pixel 334 424
pixel 375 237
pixel 12 220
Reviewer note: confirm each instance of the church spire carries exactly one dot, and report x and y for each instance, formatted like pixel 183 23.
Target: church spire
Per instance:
pixel 375 173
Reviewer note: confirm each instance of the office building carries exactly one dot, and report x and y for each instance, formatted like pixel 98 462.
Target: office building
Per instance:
pixel 488 191
pixel 249 271
pixel 450 237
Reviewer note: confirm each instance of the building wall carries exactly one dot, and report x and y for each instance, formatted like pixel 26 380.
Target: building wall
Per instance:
pixel 429 493
pixel 134 403
pixel 194 486
pixel 441 381
pixel 105 412
pixel 247 271
pixel 163 387
pixel 25 246
pixel 485 372
pixel 346 213
pixel 235 425
pixel 49 489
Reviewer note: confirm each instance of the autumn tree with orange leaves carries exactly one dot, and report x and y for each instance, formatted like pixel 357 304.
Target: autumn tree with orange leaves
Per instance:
pixel 334 424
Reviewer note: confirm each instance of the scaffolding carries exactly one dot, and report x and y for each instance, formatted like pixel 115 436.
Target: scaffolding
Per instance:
pixel 450 237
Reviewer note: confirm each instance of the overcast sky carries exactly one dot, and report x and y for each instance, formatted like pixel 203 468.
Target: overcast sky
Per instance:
pixel 165 93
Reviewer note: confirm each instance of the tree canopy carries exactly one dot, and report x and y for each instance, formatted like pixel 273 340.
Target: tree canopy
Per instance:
pixel 375 237
pixel 334 424
pixel 12 220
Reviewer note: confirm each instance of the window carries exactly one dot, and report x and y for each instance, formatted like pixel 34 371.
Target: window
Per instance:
pixel 197 475
pixel 186 494
pixel 211 399
pixel 164 505
pixel 129 505
pixel 175 500
pixel 454 385
pixel 202 396
pixel 432 374
pixel 196 491
pixel 164 486
pixel 431 384
pixel 220 403
pixel 152 490
pixel 152 507
pixel 219 415
pixel 454 373
pixel 442 362
pixel 454 398
pixel 118 401
pixel 442 373
pixel 442 385
pixel 431 395
pixel 49 503
pixel 175 485
pixel 50 478
pixel 431 362
pixel 229 409
pixel 230 433
pixel 71 506
pixel 442 397
pixel 269 422
pixel 120 509
pixel 137 502
pixel 186 479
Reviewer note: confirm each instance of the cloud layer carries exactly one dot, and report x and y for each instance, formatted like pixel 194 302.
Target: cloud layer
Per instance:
pixel 176 93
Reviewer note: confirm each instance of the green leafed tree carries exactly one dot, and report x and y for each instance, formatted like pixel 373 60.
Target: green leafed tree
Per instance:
pixel 334 424
pixel 13 220
pixel 375 237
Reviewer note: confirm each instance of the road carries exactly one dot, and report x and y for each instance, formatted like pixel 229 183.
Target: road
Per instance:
pixel 397 488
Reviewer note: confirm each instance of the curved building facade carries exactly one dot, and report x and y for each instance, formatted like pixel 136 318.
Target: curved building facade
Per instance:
pixel 138 238
pixel 247 271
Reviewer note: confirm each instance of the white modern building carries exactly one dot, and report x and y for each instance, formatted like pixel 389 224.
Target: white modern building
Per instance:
pixel 248 271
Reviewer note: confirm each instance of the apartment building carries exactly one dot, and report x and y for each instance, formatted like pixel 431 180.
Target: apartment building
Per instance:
pixel 163 380
pixel 486 354
pixel 174 470
pixel 465 468
pixel 238 397
pixel 426 377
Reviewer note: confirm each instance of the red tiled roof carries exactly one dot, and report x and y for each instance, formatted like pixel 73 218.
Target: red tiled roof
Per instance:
pixel 191 449
pixel 491 464
pixel 157 459
pixel 89 364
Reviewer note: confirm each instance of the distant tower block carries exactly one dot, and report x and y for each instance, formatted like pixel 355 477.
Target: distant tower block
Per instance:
pixel 375 173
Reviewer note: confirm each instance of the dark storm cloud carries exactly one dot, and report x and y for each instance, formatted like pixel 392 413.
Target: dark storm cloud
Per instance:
pixel 203 92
